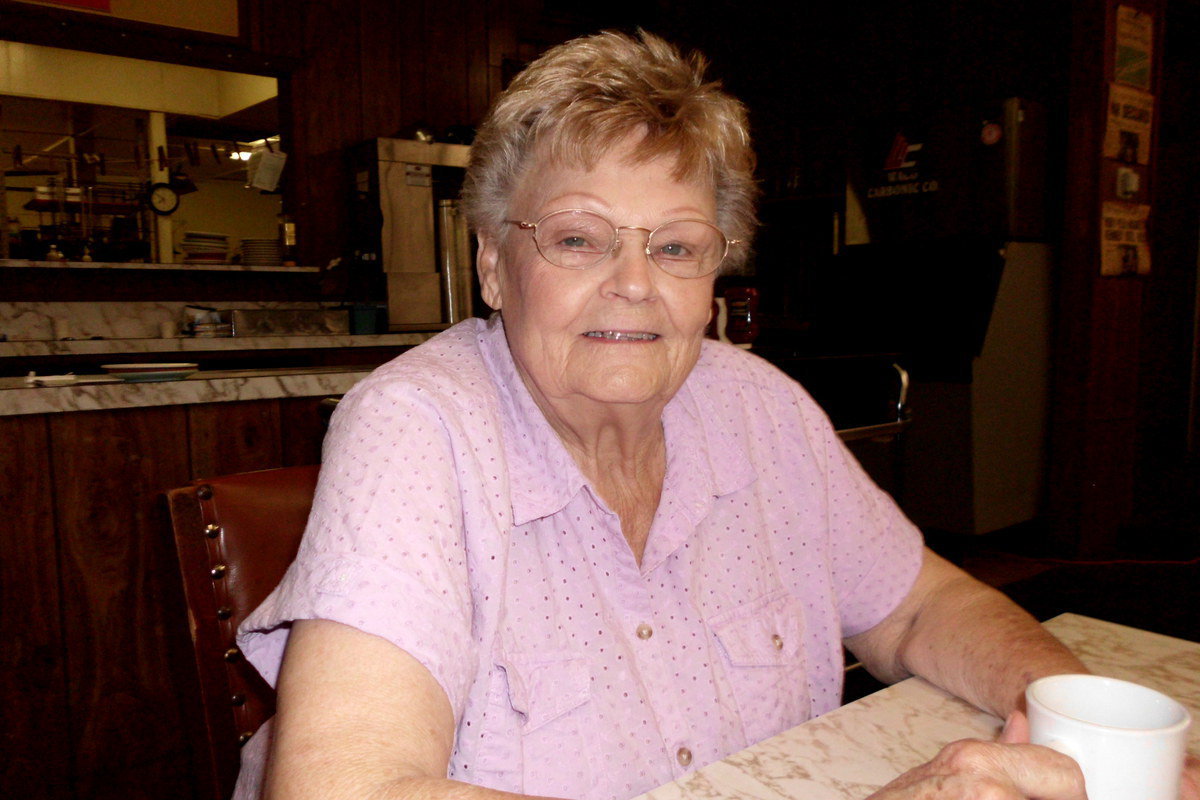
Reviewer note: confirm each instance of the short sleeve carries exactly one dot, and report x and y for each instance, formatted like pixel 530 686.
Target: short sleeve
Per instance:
pixel 875 551
pixel 384 548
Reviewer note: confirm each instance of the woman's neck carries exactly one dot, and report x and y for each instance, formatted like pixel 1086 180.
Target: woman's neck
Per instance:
pixel 621 450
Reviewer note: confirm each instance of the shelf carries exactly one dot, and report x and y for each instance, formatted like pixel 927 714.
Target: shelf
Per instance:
pixel 26 264
pixel 54 206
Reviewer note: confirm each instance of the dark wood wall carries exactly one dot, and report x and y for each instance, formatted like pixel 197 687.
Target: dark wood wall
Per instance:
pixel 1123 478
pixel 97 678
pixel 1166 490
pixel 374 68
pixel 377 68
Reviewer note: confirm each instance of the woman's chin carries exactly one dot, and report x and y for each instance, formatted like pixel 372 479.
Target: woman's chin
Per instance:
pixel 620 387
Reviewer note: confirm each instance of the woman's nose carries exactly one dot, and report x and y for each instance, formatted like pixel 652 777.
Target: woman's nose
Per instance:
pixel 632 275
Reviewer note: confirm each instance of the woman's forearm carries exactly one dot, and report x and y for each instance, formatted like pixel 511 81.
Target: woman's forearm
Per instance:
pixel 974 642
pixel 965 637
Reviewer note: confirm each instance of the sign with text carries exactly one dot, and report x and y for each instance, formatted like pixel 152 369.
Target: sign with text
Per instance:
pixel 928 174
pixel 1135 46
pixel 1124 245
pixel 1130 120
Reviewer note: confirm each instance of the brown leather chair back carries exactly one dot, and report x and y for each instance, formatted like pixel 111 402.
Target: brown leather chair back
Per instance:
pixel 236 536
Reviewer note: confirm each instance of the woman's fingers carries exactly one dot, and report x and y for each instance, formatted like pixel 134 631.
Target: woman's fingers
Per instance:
pixel 975 769
pixel 1016 729
pixel 1189 788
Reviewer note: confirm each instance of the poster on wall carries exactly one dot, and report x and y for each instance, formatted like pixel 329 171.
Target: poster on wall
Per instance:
pixel 1135 47
pixel 1124 245
pixel 1130 120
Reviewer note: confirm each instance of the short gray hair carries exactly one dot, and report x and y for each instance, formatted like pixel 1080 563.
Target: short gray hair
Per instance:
pixel 582 97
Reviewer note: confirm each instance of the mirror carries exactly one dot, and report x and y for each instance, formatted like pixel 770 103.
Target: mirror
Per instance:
pixel 120 160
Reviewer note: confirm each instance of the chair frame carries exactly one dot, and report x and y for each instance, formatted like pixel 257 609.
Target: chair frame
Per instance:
pixel 236 699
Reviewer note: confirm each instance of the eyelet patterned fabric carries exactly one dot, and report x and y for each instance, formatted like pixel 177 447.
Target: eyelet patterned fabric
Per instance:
pixel 451 521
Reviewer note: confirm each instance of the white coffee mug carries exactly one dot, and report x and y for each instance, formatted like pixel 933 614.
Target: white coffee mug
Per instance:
pixel 1129 740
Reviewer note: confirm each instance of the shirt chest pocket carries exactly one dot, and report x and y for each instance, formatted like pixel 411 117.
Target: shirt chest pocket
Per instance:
pixel 762 650
pixel 539 706
pixel 544 686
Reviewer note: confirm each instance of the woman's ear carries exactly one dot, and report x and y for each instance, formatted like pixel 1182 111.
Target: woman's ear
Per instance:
pixel 487 263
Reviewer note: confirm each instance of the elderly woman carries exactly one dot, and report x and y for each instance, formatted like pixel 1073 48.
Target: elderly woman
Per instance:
pixel 578 549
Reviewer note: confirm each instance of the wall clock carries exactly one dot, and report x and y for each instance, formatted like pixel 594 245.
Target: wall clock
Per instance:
pixel 163 199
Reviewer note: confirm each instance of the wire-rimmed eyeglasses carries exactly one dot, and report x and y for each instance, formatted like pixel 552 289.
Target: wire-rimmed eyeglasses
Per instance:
pixel 574 238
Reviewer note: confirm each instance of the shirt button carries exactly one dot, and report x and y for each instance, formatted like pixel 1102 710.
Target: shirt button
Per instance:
pixel 683 756
pixel 777 640
pixel 644 631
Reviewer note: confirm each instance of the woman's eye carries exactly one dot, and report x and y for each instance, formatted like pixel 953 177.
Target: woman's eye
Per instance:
pixel 675 250
pixel 578 240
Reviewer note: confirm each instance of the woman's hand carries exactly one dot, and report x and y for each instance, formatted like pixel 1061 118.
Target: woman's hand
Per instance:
pixel 1004 769
pixel 1007 769
pixel 975 769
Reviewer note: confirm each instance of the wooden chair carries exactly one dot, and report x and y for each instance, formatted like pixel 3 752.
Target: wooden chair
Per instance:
pixel 236 536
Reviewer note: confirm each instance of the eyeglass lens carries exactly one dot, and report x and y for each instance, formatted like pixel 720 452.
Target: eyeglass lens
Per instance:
pixel 581 239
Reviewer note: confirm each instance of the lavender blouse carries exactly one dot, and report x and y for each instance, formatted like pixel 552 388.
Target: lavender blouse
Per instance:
pixel 450 520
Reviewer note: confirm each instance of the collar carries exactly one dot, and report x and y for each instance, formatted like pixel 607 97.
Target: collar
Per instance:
pixel 542 475
pixel 705 459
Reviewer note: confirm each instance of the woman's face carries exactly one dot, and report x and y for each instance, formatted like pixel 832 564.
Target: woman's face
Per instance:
pixel 623 331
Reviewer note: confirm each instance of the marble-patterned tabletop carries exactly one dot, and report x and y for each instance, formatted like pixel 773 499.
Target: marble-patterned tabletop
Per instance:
pixel 100 392
pixel 858 748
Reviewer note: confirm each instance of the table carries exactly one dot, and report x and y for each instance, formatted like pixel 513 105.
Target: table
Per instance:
pixel 854 750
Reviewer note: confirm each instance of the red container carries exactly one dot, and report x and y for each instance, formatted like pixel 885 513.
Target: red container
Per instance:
pixel 741 303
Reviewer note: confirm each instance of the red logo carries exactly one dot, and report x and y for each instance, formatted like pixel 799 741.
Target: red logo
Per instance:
pixel 900 155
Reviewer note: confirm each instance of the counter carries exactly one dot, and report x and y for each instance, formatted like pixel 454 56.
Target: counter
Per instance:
pixel 99 392
pixel 44 347
pixel 24 263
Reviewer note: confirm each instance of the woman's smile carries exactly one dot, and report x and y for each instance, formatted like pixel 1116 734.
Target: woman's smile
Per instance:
pixel 622 336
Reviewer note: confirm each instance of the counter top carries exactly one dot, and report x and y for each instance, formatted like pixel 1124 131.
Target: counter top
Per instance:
pixel 100 392
pixel 42 347
pixel 852 751
pixel 21 263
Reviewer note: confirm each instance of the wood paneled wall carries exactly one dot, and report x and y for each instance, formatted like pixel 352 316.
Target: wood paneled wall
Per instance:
pixel 1099 319
pixel 33 688
pixel 97 678
pixel 376 68
pixel 1167 468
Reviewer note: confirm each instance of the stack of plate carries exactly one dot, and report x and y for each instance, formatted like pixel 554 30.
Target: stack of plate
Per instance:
pixel 200 247
pixel 261 253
